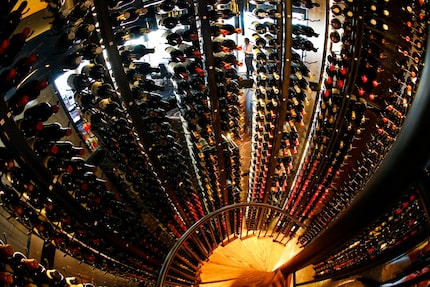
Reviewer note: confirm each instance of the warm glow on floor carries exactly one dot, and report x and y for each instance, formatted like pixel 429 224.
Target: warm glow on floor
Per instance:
pixel 246 262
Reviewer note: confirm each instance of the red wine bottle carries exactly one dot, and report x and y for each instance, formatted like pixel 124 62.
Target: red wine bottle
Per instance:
pixel 180 70
pixel 191 51
pixel 24 66
pixel 228 29
pixel 7 79
pixel 176 55
pixel 169 22
pixel 17 41
pixel 26 93
pixel 194 67
pixel 43 148
pixel 173 39
pixel 40 112
pixel 53 132
pixel 188 35
pixel 32 122
pixel 6 160
pixel 66 149
pixel 3 46
pixel 143 68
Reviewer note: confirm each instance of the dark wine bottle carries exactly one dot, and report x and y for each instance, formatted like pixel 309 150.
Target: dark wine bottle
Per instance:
pixel 7 79
pixel 173 39
pixel 176 55
pixel 40 112
pixel 24 66
pixel 143 68
pixel 89 51
pixel 169 22
pixel 194 67
pixel 190 51
pixel 72 61
pixel 188 35
pixel 94 71
pixel 84 31
pixel 66 149
pixel 17 41
pixel 180 70
pixel 79 11
pixel 26 93
pixel 228 29
pixel 167 5
pixel 6 160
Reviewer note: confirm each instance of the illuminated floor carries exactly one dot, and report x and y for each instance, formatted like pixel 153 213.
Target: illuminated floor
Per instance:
pixel 245 262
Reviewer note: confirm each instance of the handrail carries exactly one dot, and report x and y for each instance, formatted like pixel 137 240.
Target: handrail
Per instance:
pixel 179 243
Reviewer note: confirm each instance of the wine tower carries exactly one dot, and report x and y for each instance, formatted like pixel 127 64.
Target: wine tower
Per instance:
pixel 140 136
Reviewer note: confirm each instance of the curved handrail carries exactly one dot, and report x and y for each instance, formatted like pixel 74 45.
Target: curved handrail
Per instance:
pixel 172 253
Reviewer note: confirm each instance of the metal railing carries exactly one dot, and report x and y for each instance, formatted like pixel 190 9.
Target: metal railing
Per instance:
pixel 182 264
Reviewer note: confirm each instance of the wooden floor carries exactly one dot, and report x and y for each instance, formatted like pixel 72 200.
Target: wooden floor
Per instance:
pixel 246 262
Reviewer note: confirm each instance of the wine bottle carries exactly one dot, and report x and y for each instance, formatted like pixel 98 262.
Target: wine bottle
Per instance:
pixel 232 60
pixel 43 148
pixel 173 39
pixel 167 5
pixel 65 41
pixel 188 35
pixel 103 90
pixel 143 68
pixel 149 85
pixel 20 180
pixel 26 93
pixel 7 79
pixel 84 31
pixel 259 41
pixel 176 55
pixel 6 251
pixel 40 112
pixel 72 61
pixel 55 278
pixel 194 67
pixel 298 29
pixel 3 46
pixel 130 53
pixel 67 150
pixel 16 43
pixel 89 51
pixel 24 66
pixel 6 160
pixel 22 265
pixel 79 11
pixel 187 19
pixel 227 29
pixel 169 22
pixel 190 51
pixel 94 71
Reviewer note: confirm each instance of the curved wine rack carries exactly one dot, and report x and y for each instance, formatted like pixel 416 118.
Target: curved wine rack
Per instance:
pixel 307 173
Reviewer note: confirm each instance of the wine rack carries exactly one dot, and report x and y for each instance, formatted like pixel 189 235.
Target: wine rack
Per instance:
pixel 167 115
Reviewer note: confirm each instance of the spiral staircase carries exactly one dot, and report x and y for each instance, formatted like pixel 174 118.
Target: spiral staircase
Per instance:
pixel 232 247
